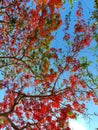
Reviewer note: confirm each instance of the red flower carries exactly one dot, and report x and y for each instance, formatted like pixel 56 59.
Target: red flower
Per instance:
pixel 87 40
pixel 76 105
pixel 79 13
pixel 66 37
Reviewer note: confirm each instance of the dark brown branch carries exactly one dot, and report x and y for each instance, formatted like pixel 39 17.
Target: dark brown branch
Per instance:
pixel 58 79
pixel 8 6
pixel 1 21
pixel 7 65
pixel 12 124
pixel 91 78
pixel 17 59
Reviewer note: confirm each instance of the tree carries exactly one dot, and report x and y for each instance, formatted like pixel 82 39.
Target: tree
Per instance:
pixel 38 96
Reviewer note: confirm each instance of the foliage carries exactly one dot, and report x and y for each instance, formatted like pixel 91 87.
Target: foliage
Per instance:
pixel 95 19
pixel 38 95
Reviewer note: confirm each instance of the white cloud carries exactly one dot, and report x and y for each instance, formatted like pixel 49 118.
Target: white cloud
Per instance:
pixel 77 125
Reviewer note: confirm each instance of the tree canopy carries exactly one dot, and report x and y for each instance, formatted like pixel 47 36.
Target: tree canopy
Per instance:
pixel 44 86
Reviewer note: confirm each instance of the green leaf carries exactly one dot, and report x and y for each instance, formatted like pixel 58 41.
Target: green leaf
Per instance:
pixel 1 121
pixel 13 21
pixel 1 84
pixel 70 2
pixel 70 113
pixel 84 65
pixel 83 59
pixel 64 1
